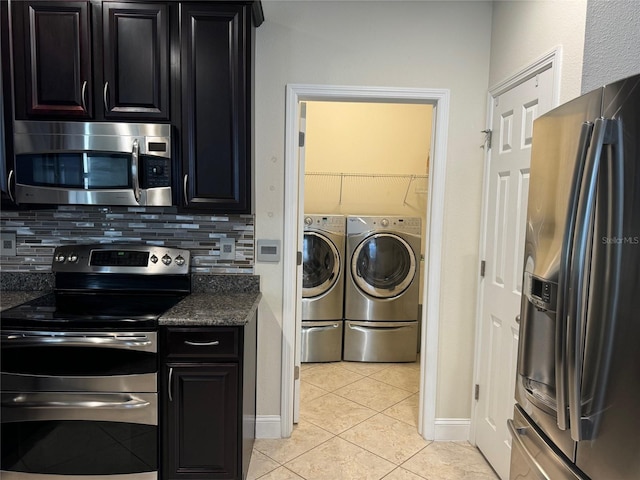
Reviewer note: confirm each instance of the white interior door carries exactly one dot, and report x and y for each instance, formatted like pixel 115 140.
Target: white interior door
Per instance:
pixel 302 128
pixel 504 222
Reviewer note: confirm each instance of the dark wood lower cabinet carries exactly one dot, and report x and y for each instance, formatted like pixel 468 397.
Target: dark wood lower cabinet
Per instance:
pixel 208 401
pixel 202 421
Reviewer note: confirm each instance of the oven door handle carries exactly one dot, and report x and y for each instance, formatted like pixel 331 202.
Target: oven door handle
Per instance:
pixel 71 400
pixel 26 339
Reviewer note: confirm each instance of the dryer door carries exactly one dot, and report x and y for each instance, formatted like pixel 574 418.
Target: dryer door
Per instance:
pixel 321 265
pixel 383 265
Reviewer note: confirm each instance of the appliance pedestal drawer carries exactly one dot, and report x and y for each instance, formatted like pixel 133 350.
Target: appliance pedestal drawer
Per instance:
pixel 380 341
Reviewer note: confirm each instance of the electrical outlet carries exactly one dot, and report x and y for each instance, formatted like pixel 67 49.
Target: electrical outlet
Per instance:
pixel 7 244
pixel 227 249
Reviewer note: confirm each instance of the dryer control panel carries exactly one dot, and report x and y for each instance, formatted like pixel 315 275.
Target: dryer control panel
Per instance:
pixel 359 224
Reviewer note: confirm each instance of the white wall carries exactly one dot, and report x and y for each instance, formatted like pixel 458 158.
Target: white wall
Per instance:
pixel 524 31
pixel 612 42
pixel 379 43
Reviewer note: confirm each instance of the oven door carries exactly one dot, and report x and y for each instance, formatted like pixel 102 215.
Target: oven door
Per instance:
pixel 46 435
pixel 80 403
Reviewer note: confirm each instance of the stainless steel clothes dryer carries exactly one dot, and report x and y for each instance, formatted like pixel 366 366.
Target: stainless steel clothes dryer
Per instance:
pixel 322 288
pixel 382 289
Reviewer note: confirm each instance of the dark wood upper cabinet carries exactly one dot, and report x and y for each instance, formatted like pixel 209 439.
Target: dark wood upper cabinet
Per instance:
pixel 91 60
pixel 135 76
pixel 52 43
pixel 215 91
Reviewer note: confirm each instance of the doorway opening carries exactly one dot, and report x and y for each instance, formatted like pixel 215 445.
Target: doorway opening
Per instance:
pixel 431 233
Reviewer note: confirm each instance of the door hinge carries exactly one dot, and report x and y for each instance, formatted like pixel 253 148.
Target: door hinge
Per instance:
pixel 296 372
pixel 298 258
pixel 476 392
pixel 487 138
pixel 483 266
pixel 301 139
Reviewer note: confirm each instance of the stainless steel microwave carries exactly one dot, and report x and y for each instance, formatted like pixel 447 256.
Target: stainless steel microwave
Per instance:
pixel 91 163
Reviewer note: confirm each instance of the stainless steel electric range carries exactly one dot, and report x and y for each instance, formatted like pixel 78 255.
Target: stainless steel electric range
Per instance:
pixel 79 366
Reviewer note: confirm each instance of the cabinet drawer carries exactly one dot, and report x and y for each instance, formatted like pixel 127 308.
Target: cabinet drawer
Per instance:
pixel 203 342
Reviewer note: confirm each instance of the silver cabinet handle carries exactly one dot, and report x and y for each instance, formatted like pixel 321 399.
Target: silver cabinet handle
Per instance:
pixel 11 174
pixel 105 92
pixel 83 95
pixel 202 344
pixel 170 385
pixel 135 156
pixel 184 189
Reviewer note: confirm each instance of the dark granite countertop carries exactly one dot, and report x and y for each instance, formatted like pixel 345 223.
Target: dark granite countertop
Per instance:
pixel 216 300
pixel 213 309
pixel 11 299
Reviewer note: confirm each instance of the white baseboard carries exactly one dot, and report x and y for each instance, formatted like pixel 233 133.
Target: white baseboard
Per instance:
pixel 452 429
pixel 268 426
pixel 447 429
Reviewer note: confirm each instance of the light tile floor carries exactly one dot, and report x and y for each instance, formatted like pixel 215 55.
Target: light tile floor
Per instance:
pixel 358 421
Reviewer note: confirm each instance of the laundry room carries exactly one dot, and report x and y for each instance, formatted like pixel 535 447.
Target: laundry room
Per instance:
pixel 366 177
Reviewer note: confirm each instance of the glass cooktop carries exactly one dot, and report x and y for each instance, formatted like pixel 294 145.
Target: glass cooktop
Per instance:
pixel 87 310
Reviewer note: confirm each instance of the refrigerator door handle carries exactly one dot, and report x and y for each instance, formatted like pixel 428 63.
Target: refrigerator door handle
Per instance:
pixel 563 280
pixel 578 286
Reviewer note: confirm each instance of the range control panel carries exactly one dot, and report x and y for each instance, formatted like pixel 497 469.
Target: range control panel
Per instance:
pixel 139 259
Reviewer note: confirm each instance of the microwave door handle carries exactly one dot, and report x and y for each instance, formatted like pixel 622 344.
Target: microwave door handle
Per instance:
pixel 135 163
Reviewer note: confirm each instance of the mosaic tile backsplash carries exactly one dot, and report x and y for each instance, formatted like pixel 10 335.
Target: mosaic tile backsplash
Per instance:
pixel 38 232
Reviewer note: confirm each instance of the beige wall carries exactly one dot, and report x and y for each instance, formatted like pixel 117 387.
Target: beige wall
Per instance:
pixel 379 43
pixel 379 146
pixel 523 31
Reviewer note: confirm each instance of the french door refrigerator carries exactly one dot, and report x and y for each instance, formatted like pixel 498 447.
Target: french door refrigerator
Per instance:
pixel 577 412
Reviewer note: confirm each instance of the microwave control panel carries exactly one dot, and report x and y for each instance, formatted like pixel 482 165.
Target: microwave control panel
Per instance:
pixel 156 172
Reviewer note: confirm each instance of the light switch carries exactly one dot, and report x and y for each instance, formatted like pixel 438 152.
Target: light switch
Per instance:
pixel 7 244
pixel 227 249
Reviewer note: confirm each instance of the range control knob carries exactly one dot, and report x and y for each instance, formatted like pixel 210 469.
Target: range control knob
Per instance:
pixel 73 258
pixel 154 259
pixel 308 221
pixel 384 222
pixel 179 260
pixel 166 259
pixel 60 258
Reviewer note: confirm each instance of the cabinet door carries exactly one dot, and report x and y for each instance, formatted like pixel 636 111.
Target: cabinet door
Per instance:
pixel 135 60
pixel 52 47
pixel 216 168
pixel 202 421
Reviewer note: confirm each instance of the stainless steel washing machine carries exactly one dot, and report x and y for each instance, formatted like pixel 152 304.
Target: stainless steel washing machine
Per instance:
pixel 322 288
pixel 382 289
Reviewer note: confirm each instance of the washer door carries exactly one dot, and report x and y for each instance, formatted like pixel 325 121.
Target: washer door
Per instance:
pixel 320 265
pixel 383 265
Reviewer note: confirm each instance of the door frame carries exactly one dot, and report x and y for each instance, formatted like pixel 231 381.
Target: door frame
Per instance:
pixel 549 60
pixel 432 231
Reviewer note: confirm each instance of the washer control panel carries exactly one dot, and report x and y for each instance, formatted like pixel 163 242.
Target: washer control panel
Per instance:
pixel 329 223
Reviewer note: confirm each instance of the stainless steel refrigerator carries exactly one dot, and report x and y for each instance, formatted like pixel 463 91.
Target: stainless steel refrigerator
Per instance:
pixel 577 413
